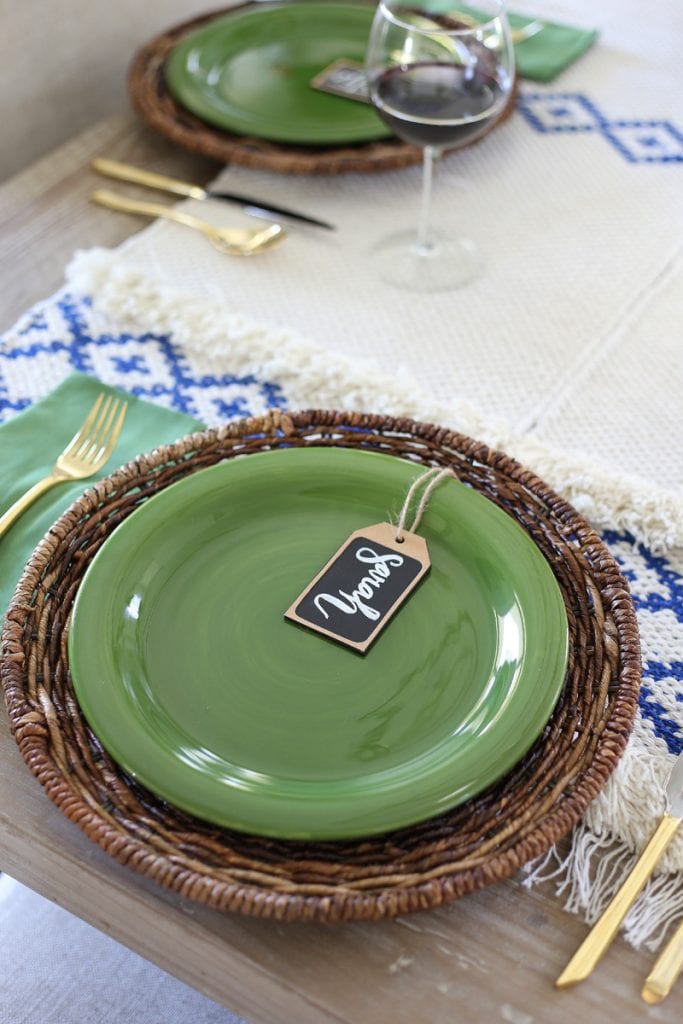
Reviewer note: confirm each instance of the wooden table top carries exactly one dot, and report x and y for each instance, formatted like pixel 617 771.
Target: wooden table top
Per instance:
pixel 490 957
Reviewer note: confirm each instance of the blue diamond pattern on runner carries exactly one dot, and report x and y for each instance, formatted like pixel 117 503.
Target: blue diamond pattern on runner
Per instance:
pixel 36 322
pixel 60 336
pixel 639 142
pixel 646 142
pixel 559 112
pixel 657 590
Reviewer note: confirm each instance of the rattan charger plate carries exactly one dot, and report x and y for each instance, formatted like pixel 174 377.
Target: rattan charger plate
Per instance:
pixel 147 87
pixel 480 842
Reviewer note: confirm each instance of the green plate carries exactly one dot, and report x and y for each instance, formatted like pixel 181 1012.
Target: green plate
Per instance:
pixel 250 72
pixel 192 679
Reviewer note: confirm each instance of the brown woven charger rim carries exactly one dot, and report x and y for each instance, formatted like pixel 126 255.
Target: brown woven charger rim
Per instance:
pixel 158 108
pixel 429 864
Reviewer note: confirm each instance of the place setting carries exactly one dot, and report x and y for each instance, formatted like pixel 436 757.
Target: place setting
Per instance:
pixel 437 705
pixel 340 88
pixel 186 83
pixel 403 739
pixel 287 634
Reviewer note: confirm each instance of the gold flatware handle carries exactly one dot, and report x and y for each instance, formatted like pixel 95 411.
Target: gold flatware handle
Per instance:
pixel 517 35
pixel 17 510
pixel 603 931
pixel 666 970
pixel 124 172
pixel 122 204
pixel 528 31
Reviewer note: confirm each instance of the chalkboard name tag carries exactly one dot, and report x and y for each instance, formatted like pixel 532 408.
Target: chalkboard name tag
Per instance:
pixel 364 583
pixel 345 78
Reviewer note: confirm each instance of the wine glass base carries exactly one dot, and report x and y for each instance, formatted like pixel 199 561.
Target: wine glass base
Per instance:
pixel 443 265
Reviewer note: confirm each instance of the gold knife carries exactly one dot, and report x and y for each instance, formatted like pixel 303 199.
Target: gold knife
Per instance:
pixel 666 970
pixel 596 943
pixel 136 175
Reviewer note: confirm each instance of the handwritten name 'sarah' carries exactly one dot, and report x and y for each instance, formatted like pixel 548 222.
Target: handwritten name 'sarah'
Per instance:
pixel 355 602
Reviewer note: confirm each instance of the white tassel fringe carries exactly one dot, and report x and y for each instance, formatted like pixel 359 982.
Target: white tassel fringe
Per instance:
pixel 311 376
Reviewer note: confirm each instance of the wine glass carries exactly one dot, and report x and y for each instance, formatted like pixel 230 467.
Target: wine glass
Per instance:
pixel 438 74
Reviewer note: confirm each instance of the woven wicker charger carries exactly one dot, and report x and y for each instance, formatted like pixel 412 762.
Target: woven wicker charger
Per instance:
pixel 147 87
pixel 423 866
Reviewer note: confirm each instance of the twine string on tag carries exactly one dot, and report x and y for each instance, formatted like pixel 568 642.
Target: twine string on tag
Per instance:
pixel 434 475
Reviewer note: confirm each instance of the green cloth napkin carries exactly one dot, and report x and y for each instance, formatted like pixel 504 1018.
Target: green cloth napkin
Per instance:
pixel 550 51
pixel 543 56
pixel 30 443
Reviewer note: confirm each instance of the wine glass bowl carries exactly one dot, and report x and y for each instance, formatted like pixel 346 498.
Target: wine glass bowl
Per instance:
pixel 439 74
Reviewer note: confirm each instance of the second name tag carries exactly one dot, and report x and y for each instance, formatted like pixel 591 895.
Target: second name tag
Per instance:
pixel 362 585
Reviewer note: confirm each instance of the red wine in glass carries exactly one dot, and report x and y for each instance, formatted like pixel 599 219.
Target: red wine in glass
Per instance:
pixel 436 104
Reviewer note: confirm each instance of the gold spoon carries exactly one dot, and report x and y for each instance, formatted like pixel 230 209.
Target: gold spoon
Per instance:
pixel 233 241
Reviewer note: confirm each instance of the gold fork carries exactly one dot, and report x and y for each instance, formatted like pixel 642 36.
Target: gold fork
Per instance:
pixel 86 452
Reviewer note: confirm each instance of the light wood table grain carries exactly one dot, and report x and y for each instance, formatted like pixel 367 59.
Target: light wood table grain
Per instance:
pixel 490 957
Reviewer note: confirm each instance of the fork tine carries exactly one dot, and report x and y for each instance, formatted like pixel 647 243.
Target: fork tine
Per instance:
pixel 93 444
pixel 81 435
pixel 113 436
pixel 81 451
pixel 98 439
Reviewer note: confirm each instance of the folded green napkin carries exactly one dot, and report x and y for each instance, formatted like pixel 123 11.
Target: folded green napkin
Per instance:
pixel 30 443
pixel 544 55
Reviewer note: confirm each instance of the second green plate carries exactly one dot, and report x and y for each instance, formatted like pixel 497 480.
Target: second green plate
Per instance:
pixel 250 72
pixel 192 679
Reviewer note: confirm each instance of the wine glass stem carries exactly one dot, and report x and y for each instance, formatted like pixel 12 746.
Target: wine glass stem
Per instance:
pixel 425 242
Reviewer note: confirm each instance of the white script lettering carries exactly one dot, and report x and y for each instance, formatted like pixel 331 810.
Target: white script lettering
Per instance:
pixel 364 591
